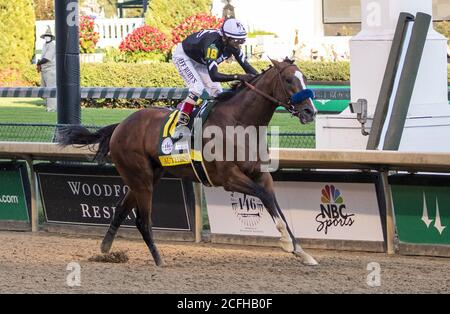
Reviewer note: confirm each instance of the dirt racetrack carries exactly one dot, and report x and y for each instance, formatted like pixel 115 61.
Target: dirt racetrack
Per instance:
pixel 37 264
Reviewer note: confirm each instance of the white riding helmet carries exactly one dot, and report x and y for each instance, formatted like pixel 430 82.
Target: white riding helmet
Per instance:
pixel 234 29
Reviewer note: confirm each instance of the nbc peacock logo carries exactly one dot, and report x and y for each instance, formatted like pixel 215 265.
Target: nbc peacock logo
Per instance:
pixel 333 211
pixel 331 195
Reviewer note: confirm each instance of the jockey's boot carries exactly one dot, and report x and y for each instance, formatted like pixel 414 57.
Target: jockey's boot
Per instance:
pixel 181 129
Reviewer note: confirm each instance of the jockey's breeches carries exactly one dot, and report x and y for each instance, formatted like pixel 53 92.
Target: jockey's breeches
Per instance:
pixel 194 74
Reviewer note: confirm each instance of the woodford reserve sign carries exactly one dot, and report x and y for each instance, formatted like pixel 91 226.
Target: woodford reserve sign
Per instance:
pixel 88 195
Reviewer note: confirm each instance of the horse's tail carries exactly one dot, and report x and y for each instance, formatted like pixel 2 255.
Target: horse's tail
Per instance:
pixel 79 135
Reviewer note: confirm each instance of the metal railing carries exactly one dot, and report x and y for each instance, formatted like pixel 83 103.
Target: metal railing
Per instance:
pixel 45 133
pixel 144 92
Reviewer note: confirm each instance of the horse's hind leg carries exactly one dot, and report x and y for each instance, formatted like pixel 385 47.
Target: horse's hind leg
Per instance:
pixel 140 175
pixel 123 209
pixel 143 221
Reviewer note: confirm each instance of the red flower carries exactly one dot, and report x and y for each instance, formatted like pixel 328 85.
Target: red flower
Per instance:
pixel 88 36
pixel 145 39
pixel 194 24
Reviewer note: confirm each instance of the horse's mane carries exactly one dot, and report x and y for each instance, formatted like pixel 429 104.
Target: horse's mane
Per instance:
pixel 237 87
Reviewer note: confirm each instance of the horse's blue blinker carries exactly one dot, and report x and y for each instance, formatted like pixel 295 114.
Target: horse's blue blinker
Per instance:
pixel 302 96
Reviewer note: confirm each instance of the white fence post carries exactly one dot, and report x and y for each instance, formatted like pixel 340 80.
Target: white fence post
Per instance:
pixel 111 31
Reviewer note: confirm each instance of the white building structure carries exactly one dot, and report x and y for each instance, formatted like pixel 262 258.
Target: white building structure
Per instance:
pixel 428 121
pixel 285 18
pixel 317 22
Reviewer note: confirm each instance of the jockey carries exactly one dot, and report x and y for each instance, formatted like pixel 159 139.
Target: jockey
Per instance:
pixel 197 58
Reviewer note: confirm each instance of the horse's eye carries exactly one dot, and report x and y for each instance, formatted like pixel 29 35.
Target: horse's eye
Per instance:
pixel 289 80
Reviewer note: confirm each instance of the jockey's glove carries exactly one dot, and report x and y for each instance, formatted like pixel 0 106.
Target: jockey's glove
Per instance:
pixel 245 77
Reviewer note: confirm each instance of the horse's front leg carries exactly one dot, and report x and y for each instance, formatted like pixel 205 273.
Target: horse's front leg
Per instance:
pixel 287 242
pixel 262 188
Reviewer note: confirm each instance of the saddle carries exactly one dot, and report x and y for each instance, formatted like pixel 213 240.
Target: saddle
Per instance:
pixel 173 153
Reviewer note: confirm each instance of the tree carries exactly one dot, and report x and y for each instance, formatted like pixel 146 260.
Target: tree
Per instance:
pixel 17 19
pixel 110 6
pixel 165 17
pixel 44 9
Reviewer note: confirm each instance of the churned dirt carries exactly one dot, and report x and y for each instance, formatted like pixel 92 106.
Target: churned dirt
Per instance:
pixel 38 264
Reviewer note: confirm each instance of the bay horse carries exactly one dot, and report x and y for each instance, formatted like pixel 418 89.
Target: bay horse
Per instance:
pixel 133 146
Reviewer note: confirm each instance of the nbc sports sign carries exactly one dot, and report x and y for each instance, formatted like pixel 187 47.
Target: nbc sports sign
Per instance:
pixel 332 210
pixel 320 205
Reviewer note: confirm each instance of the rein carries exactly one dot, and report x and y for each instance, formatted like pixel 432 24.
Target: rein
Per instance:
pixel 287 105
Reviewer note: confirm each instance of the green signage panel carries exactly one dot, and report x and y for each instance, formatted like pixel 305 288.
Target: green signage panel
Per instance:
pixel 330 106
pixel 422 212
pixel 14 195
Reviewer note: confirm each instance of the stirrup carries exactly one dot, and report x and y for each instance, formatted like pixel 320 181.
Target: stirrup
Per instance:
pixel 182 125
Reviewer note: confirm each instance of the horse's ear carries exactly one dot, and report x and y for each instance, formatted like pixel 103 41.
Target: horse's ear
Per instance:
pixel 275 63
pixel 288 60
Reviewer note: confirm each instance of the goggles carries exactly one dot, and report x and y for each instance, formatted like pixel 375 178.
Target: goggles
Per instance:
pixel 237 41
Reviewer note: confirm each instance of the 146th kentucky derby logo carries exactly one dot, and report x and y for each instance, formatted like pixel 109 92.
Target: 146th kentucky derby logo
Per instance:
pixel 247 208
pixel 332 210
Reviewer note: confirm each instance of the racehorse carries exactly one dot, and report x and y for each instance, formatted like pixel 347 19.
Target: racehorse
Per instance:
pixel 133 146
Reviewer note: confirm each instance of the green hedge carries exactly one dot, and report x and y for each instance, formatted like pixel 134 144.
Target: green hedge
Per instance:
pixel 160 74
pixel 165 75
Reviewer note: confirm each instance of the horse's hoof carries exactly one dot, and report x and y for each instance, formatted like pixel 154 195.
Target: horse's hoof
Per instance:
pixel 306 258
pixel 105 246
pixel 159 262
pixel 287 246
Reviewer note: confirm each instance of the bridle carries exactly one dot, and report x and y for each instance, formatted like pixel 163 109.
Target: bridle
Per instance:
pixel 286 104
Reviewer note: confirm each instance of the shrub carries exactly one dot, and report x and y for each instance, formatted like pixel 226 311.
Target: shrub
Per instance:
pixel 145 42
pixel 17 21
pixel 325 71
pixel 44 9
pixel 194 24
pixel 260 32
pixel 165 17
pixel 158 74
pixel 443 27
pixel 114 55
pixel 88 36
pixel 30 76
pixel 162 74
pixel 10 77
